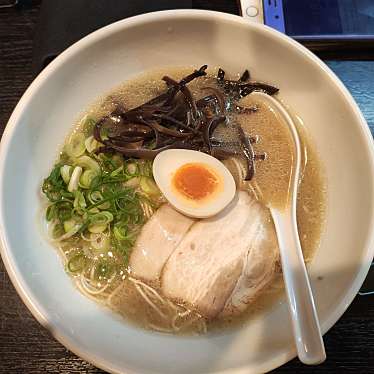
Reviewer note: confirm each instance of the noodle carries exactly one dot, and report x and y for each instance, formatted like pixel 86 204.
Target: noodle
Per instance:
pixel 149 302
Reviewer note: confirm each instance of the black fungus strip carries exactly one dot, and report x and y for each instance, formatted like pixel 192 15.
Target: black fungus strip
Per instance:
pixel 135 130
pixel 166 131
pixel 241 89
pixel 247 88
pixel 209 130
pixel 248 153
pixel 182 83
pixel 220 75
pixel 175 122
pixel 126 139
pixel 223 154
pixel 245 76
pixel 174 119
pixel 197 73
pixel 206 100
pixel 148 154
pixel 219 98
pixel 187 95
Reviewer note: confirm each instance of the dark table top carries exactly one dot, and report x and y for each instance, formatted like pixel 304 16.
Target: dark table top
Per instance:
pixel 26 347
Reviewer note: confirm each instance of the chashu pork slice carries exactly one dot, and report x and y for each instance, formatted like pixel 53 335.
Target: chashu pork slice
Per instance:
pixel 157 240
pixel 260 265
pixel 222 262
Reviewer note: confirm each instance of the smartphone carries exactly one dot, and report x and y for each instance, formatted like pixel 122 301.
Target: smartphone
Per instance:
pixel 319 24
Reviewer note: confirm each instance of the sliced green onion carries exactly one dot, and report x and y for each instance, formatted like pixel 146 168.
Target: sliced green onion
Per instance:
pixel 100 242
pixel 104 270
pixel 102 218
pixel 104 206
pixel 87 162
pixel 133 182
pixel 98 199
pixel 132 168
pixel 96 181
pixel 100 221
pixel 86 178
pixel 117 160
pixel 57 230
pixel 95 197
pixel 120 232
pixel 69 225
pixel 66 172
pixel 79 201
pixel 74 180
pixel 53 185
pixel 97 228
pixel 117 171
pixel 94 210
pixel 75 146
pixel 51 212
pixel 87 124
pixel 77 263
pixel 145 168
pixel 91 144
pixel 149 187
pixel 66 194
pixel 64 210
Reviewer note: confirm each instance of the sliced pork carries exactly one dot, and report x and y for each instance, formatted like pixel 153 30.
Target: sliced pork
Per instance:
pixel 157 240
pixel 223 262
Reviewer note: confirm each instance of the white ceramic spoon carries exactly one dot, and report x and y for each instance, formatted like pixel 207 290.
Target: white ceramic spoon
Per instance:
pixel 306 329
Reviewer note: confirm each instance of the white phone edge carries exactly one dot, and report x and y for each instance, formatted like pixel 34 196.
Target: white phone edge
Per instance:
pixel 252 10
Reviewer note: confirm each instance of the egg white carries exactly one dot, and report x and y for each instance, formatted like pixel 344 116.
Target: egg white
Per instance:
pixel 168 162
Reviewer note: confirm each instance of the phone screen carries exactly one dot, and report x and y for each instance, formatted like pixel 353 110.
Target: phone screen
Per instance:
pixel 327 18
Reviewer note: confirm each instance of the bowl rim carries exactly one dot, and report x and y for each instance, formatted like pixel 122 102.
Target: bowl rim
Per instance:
pixel 6 254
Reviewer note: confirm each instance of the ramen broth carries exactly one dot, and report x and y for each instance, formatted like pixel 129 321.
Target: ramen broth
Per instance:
pixel 270 185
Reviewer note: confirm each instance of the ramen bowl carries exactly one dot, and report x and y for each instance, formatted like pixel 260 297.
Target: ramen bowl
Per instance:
pixel 97 64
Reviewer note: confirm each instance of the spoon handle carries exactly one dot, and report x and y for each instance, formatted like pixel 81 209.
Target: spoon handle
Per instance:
pixel 306 329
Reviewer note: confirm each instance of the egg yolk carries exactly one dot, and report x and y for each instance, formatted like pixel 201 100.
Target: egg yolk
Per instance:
pixel 195 181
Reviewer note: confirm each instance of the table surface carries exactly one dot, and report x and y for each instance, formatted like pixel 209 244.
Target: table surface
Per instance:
pixel 26 347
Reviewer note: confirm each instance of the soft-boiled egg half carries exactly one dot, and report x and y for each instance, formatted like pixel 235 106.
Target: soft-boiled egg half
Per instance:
pixel 196 184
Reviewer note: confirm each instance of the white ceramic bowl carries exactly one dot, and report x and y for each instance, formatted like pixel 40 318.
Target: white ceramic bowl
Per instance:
pixel 115 53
